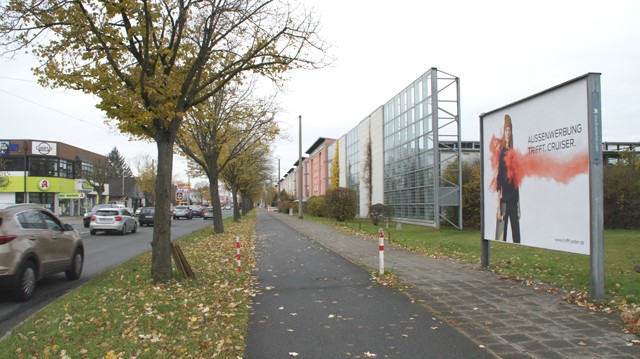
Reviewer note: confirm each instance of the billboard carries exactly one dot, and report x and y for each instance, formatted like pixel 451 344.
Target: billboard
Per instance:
pixel 536 160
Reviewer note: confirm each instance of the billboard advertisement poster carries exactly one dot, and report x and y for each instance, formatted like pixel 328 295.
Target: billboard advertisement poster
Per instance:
pixel 535 170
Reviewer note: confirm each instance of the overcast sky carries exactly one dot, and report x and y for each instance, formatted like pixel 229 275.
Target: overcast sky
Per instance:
pixel 502 51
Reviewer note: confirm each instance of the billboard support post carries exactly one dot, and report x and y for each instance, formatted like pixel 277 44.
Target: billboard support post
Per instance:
pixel 596 188
pixel 485 246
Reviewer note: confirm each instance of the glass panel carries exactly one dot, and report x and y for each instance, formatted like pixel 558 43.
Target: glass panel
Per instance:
pixel 411 99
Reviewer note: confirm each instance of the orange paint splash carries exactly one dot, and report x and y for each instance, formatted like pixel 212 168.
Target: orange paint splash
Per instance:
pixel 541 165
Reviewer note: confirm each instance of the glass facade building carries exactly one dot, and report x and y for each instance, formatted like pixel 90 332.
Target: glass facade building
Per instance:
pixel 409 152
pixel 353 162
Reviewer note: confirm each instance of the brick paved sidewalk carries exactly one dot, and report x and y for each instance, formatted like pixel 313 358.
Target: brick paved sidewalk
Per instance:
pixel 510 318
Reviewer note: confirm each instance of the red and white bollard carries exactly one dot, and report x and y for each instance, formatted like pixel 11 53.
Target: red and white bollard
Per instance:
pixel 381 247
pixel 238 253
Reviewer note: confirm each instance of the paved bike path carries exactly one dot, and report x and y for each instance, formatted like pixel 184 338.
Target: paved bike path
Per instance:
pixel 509 318
pixel 314 303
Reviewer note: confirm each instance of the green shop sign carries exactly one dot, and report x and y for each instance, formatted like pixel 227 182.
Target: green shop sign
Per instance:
pixel 86 185
pixel 70 195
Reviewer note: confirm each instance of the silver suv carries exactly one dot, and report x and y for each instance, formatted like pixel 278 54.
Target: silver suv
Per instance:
pixel 34 243
pixel 182 212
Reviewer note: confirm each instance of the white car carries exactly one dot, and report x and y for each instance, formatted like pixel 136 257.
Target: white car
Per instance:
pixel 208 213
pixel 118 220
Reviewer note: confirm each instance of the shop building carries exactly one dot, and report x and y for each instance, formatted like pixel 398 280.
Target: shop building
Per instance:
pixel 48 173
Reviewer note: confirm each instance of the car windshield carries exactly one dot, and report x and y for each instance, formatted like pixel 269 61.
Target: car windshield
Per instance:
pixel 98 206
pixel 108 213
pixel 148 210
pixel 181 207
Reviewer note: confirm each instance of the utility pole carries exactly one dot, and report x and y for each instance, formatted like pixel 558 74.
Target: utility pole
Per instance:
pixel 300 167
pixel 123 200
pixel 25 198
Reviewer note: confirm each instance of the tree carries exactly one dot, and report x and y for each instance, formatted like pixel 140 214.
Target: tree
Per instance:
pixel 202 190
pixel 621 182
pixel 150 63
pixel 470 191
pixel 335 167
pixel 246 173
pixel 230 124
pixel 118 166
pixel 367 171
pixel 4 179
pixel 97 177
pixel 146 180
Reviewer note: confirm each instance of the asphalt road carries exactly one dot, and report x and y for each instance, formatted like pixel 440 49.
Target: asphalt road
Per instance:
pixel 102 251
pixel 314 303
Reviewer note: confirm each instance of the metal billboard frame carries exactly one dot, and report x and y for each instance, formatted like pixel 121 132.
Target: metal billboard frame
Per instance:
pixel 596 200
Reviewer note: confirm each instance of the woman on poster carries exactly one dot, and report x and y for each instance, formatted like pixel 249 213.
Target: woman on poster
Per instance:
pixel 507 187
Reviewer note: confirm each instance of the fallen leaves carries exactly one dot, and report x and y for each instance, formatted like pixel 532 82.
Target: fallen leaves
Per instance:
pixel 629 312
pixel 121 314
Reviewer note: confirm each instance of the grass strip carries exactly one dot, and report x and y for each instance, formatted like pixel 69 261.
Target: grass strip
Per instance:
pixel 122 314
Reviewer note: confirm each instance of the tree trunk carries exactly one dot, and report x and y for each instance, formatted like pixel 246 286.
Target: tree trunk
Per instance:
pixel 247 204
pixel 236 208
pixel 218 225
pixel 161 244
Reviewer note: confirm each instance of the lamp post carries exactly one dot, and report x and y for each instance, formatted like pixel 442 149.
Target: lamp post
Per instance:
pixel 25 195
pixel 123 184
pixel 300 167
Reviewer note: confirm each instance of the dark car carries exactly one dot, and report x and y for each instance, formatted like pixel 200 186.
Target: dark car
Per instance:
pixel 86 220
pixel 196 210
pixel 34 243
pixel 146 216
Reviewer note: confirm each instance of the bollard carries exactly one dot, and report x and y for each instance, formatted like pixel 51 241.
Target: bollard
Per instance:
pixel 238 253
pixel 381 247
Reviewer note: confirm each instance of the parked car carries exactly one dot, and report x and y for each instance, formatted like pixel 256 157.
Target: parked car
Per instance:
pixel 197 210
pixel 113 220
pixel 146 216
pixel 182 212
pixel 208 213
pixel 87 216
pixel 34 243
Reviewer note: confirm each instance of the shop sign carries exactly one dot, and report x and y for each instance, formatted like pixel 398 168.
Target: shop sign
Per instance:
pixel 44 184
pixel 44 148
pixel 71 195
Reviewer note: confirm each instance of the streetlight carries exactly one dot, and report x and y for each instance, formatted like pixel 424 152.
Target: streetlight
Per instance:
pixel 123 185
pixel 300 168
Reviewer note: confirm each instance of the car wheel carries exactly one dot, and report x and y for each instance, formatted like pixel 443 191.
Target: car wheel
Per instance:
pixel 75 270
pixel 124 230
pixel 135 228
pixel 93 232
pixel 26 284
